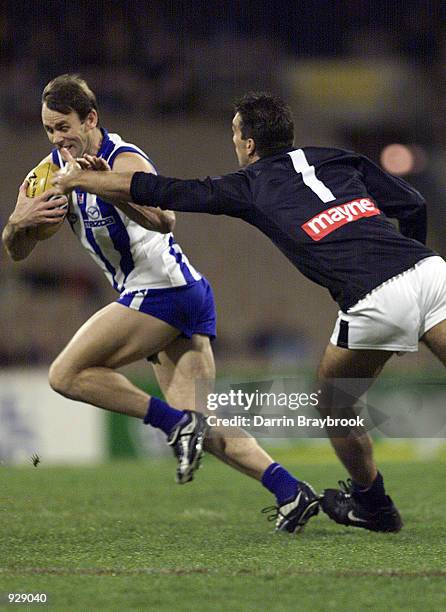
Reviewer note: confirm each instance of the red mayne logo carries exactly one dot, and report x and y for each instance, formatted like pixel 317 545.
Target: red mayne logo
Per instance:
pixel 330 220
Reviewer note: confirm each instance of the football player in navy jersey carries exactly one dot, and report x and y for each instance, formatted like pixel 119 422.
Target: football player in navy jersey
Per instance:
pixel 165 309
pixel 327 210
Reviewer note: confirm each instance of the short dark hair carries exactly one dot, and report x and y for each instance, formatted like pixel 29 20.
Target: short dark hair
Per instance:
pixel 67 93
pixel 268 120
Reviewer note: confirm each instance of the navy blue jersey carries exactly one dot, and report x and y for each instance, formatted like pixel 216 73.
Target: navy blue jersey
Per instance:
pixel 326 209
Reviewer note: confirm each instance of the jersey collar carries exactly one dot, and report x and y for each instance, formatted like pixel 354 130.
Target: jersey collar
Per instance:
pixel 269 158
pixel 106 145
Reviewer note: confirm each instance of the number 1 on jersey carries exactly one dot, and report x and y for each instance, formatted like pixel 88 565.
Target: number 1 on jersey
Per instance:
pixel 309 177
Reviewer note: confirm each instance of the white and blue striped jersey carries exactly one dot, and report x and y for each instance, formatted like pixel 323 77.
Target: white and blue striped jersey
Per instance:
pixel 131 257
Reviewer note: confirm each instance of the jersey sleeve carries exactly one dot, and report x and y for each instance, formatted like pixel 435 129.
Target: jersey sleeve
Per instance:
pixel 225 195
pixel 397 199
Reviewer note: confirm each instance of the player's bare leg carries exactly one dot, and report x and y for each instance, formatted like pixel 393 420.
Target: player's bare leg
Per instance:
pixel 435 340
pixel 116 336
pixel 361 502
pixel 85 371
pixel 113 337
pixel 179 368
pixel 354 450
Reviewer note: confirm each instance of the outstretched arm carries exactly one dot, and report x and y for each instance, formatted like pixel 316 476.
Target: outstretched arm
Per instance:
pixel 229 194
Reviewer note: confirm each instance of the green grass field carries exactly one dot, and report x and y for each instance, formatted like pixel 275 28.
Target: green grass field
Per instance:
pixel 124 537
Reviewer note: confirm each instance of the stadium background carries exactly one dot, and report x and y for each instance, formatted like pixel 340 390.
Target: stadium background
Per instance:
pixel 358 75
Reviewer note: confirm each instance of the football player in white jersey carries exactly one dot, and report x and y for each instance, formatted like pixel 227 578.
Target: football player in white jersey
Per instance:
pixel 165 308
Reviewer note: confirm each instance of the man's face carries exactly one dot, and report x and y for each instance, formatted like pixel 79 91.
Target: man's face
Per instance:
pixel 68 130
pixel 242 147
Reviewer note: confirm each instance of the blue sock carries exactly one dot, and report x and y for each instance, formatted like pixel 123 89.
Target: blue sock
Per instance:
pixel 280 482
pixel 162 416
pixel 372 497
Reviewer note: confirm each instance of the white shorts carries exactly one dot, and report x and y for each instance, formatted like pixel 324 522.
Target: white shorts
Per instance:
pixel 395 315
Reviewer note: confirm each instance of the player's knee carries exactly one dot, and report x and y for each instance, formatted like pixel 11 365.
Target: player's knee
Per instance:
pixel 60 378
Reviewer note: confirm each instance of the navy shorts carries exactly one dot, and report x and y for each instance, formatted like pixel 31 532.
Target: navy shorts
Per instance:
pixel 189 308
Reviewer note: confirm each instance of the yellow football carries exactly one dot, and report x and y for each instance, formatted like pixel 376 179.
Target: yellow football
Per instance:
pixel 39 180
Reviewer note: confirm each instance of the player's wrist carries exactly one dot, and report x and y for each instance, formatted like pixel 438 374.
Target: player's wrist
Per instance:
pixel 79 179
pixel 17 224
pixel 71 181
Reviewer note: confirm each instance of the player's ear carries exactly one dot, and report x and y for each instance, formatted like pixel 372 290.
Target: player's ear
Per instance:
pixel 91 119
pixel 250 146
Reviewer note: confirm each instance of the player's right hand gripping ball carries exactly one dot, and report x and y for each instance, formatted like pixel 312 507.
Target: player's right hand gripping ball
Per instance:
pixel 39 180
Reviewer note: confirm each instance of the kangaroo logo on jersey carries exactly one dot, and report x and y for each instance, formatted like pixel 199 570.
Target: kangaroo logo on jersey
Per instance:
pixel 333 218
pixel 95 219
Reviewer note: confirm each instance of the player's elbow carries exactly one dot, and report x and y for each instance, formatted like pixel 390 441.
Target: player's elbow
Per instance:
pixel 6 245
pixel 17 245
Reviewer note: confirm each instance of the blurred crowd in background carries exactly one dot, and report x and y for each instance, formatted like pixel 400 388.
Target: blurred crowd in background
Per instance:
pixel 358 74
pixel 171 56
pixel 166 56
